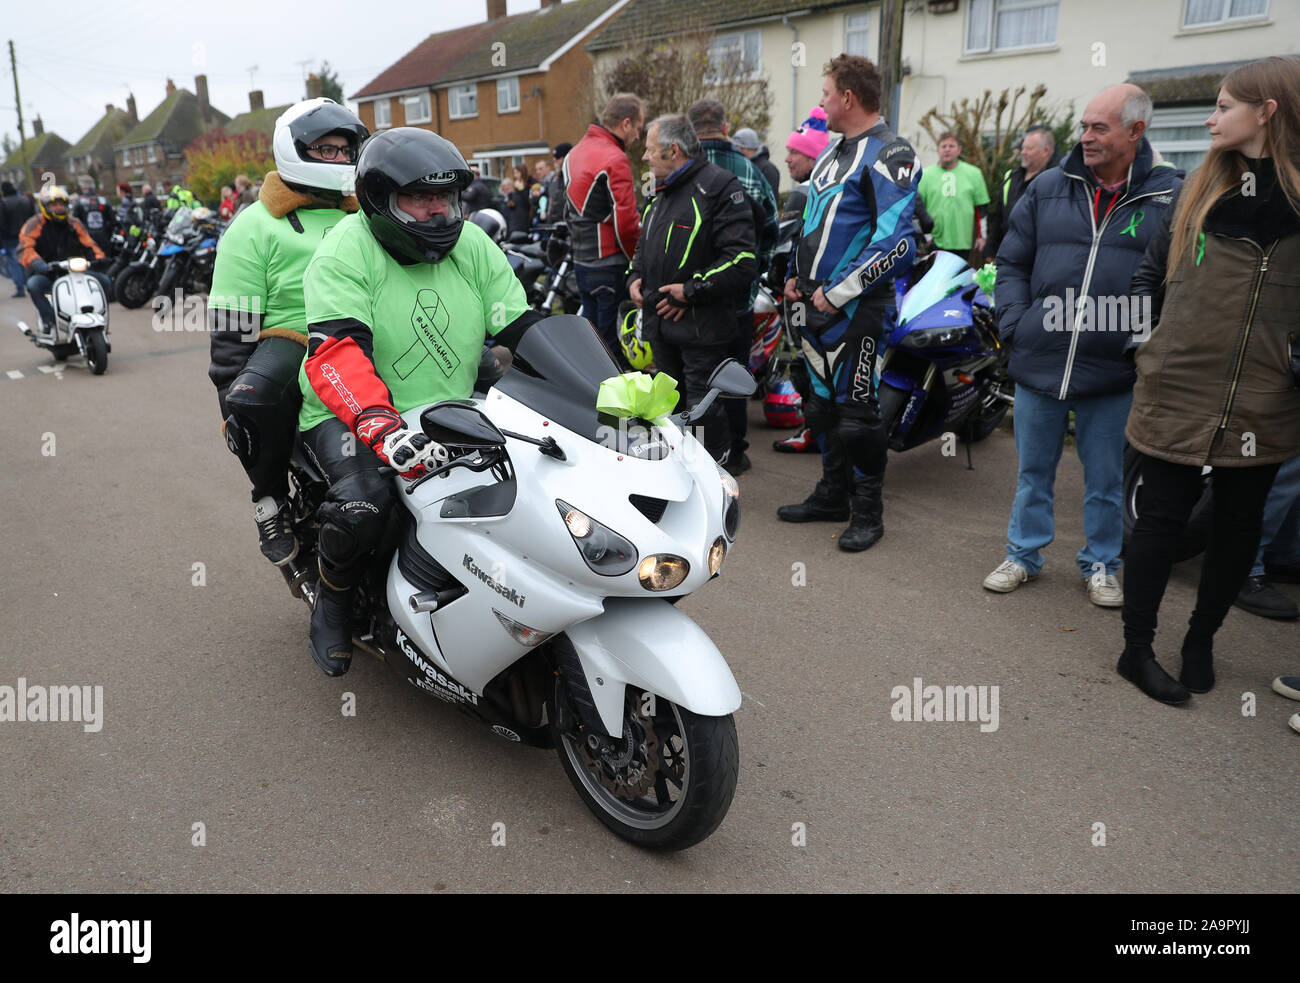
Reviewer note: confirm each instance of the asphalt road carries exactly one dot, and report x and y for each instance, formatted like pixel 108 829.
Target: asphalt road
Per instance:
pixel 214 713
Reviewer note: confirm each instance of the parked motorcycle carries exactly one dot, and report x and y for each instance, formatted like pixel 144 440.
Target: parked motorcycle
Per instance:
pixel 80 317
pixel 190 252
pixel 135 285
pixel 943 369
pixel 531 582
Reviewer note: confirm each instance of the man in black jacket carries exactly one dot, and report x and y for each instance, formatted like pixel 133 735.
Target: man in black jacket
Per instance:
pixel 1038 153
pixel 694 259
pixel 15 210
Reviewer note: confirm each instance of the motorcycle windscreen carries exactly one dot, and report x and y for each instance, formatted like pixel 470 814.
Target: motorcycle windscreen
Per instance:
pixel 557 370
pixel 948 273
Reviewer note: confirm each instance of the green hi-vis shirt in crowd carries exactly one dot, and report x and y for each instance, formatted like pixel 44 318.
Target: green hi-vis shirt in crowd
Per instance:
pixel 261 261
pixel 950 197
pixel 429 320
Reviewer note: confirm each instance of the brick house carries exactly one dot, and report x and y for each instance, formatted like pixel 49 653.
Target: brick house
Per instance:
pixel 43 153
pixel 504 91
pixel 153 150
pixel 92 156
pixel 258 119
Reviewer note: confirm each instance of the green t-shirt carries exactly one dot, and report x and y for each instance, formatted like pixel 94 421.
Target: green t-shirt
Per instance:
pixel 950 197
pixel 428 320
pixel 261 261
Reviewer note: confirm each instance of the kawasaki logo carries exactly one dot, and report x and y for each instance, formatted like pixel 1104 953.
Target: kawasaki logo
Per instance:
pixel 450 685
pixel 509 593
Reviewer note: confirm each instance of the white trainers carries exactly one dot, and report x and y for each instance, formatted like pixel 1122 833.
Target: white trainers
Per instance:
pixel 1007 577
pixel 1104 590
pixel 1295 722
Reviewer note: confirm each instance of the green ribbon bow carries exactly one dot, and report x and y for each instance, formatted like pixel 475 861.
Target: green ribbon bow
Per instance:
pixel 636 394
pixel 985 276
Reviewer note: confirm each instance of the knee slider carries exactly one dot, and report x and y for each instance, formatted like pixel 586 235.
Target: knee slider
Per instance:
pixel 354 516
pixel 241 438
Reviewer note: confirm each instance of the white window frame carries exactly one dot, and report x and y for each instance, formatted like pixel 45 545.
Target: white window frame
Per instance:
pixel 726 42
pixel 504 88
pixel 387 114
pixel 992 26
pixel 153 154
pixel 417 108
pixel 1225 16
pixel 1181 117
pixel 454 96
pixel 863 26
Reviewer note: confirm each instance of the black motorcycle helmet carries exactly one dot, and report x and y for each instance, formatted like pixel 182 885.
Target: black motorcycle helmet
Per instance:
pixel 411 161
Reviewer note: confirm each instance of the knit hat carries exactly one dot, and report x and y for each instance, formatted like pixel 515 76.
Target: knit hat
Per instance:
pixel 746 139
pixel 811 137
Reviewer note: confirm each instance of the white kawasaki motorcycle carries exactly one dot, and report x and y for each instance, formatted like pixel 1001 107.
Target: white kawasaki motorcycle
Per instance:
pixel 80 317
pixel 530 582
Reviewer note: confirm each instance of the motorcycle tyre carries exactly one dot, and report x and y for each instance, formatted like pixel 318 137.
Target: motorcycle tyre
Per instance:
pixel 96 352
pixel 122 291
pixel 713 763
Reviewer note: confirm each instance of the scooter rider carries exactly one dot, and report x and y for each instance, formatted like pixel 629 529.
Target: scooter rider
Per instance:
pixel 256 308
pixel 51 236
pixel 400 299
pixel 857 237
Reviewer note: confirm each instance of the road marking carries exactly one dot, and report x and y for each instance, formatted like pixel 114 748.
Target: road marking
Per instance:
pixel 48 368
pixel 14 374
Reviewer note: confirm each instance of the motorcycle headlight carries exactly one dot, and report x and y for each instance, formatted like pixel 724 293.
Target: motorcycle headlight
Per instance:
pixel 662 572
pixel 78 264
pixel 717 552
pixel 604 550
pixel 936 337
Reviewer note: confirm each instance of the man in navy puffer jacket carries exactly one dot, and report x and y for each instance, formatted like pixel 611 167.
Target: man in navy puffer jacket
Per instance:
pixel 1064 310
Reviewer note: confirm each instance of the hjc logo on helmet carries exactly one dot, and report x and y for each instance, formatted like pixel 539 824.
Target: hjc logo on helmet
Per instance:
pixel 439 177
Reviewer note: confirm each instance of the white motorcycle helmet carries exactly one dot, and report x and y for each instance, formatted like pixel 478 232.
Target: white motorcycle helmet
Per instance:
pixel 299 127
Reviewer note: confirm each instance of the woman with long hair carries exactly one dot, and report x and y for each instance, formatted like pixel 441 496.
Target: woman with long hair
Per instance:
pixel 1219 376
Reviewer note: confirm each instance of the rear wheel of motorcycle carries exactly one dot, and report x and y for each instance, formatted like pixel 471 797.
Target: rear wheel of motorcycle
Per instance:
pixel 134 287
pixel 96 352
pixel 684 799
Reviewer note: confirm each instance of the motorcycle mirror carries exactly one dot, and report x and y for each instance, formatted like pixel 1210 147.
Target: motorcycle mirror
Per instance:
pixel 460 423
pixel 732 379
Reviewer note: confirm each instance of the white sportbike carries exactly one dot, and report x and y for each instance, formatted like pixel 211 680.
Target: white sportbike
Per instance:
pixel 531 580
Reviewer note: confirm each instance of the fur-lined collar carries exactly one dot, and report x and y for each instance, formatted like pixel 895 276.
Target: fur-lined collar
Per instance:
pixel 280 199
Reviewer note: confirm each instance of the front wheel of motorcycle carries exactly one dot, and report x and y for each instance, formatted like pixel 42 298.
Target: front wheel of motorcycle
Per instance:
pixel 134 286
pixel 665 783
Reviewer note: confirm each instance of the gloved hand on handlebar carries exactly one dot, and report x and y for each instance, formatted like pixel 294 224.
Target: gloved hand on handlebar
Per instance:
pixel 410 453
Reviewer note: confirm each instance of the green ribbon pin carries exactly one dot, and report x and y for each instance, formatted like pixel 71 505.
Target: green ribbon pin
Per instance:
pixel 636 394
pixel 1134 221
pixel 1200 248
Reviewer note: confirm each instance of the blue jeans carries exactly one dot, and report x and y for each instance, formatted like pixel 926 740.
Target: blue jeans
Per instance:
pixel 602 289
pixel 12 268
pixel 1040 425
pixel 1279 538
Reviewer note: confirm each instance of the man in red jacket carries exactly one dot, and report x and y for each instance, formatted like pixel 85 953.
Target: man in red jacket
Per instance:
pixel 600 211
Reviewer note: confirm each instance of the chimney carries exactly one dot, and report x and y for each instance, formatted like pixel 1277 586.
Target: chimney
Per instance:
pixel 256 101
pixel 37 127
pixel 496 9
pixel 201 90
pixel 171 87
pixel 108 108
pixel 130 110
pixel 313 86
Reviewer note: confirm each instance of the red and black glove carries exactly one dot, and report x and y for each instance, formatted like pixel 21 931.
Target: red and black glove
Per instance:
pixel 411 453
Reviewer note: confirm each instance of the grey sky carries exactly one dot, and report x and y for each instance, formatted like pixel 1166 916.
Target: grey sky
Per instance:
pixel 74 61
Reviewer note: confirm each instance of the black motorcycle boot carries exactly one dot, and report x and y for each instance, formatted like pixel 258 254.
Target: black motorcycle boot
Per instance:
pixel 829 501
pixel 274 531
pixel 1198 661
pixel 330 641
pixel 867 524
pixel 1138 665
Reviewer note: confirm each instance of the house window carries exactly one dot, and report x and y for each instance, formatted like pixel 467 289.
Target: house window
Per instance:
pixel 417 108
pixel 153 154
pixel 735 57
pixel 1180 134
pixel 508 95
pixel 1200 13
pixel 462 101
pixel 1004 25
pixel 857 34
pixel 383 114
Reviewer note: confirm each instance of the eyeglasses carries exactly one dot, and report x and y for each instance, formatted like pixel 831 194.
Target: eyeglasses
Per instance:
pixel 328 151
pixel 437 198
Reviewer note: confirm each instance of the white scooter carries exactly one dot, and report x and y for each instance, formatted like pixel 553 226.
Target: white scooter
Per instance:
pixel 533 578
pixel 80 317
